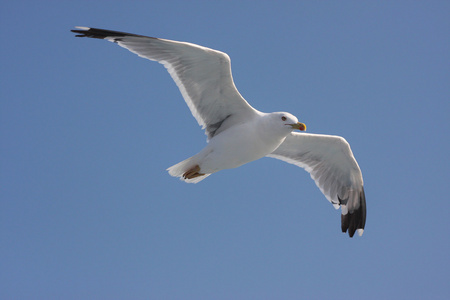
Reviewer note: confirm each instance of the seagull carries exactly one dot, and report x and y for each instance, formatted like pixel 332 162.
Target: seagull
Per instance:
pixel 237 133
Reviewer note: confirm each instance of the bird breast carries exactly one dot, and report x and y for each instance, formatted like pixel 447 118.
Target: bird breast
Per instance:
pixel 239 145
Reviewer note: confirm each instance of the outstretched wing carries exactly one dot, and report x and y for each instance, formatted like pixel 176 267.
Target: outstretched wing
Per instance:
pixel 331 163
pixel 203 76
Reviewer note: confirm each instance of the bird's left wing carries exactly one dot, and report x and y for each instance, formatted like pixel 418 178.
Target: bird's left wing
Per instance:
pixel 203 76
pixel 331 163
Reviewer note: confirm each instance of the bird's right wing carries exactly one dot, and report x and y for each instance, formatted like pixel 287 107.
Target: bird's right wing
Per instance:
pixel 203 76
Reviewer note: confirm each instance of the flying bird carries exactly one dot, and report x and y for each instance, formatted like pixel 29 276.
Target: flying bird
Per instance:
pixel 237 133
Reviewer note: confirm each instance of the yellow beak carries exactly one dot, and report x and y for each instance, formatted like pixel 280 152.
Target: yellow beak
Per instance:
pixel 299 126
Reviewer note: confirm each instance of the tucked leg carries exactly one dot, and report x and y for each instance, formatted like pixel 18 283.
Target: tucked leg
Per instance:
pixel 192 172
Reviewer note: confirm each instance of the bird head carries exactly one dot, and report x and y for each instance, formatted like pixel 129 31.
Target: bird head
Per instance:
pixel 290 120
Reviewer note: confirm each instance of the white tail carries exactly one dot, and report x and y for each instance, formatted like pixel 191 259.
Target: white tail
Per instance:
pixel 180 168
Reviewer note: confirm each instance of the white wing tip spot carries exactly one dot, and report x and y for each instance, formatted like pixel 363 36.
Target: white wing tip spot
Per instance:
pixel 82 27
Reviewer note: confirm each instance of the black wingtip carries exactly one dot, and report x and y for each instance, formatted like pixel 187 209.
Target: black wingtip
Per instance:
pixel 357 219
pixel 97 33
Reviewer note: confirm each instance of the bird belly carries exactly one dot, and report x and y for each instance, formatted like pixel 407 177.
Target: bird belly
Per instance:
pixel 231 149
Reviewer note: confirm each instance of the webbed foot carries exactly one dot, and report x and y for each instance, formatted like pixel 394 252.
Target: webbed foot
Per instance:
pixel 192 172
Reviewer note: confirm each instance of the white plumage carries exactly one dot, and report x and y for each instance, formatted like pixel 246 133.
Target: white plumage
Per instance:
pixel 237 133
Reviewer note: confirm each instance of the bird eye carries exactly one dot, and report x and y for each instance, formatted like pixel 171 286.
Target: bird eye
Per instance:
pixel 283 118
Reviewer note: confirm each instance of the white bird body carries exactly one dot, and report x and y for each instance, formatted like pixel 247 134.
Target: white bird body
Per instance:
pixel 238 145
pixel 237 133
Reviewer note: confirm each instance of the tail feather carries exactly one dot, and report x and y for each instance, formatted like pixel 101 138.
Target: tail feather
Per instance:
pixel 180 168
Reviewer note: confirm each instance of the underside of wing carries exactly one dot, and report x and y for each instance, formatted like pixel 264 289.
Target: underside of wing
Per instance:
pixel 203 76
pixel 331 164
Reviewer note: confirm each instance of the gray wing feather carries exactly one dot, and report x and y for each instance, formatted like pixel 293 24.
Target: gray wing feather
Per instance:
pixel 331 164
pixel 203 76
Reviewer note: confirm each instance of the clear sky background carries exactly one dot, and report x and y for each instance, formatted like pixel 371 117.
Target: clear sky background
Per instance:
pixel 88 129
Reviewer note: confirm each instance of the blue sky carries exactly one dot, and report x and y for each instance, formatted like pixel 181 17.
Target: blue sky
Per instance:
pixel 88 211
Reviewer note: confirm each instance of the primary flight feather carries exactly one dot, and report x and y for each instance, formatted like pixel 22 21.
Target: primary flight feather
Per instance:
pixel 237 133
